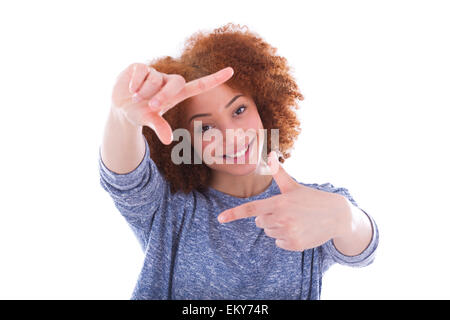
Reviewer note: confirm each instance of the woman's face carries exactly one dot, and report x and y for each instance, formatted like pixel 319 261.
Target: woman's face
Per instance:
pixel 212 115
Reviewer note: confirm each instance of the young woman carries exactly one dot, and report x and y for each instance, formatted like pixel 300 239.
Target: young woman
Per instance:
pixel 223 229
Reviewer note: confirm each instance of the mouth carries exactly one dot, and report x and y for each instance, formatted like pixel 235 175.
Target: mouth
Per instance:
pixel 241 153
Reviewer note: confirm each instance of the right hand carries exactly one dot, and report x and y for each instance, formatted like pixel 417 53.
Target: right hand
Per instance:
pixel 139 83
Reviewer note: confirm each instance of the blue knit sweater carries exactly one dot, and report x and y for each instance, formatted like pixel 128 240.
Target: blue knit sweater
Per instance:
pixel 190 255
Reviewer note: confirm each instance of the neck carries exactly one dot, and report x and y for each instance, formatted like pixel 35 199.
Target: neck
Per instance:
pixel 240 186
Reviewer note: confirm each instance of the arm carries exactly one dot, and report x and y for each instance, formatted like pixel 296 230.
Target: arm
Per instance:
pixel 358 235
pixel 357 245
pixel 131 179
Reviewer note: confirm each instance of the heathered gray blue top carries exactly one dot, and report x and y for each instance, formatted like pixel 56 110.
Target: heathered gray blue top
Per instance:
pixel 190 255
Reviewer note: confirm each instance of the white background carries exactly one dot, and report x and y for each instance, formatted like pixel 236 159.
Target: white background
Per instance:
pixel 376 79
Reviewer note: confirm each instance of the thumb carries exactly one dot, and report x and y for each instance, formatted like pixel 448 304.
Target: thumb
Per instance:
pixel 284 181
pixel 161 127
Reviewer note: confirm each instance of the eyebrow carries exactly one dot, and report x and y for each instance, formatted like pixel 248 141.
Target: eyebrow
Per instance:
pixel 208 114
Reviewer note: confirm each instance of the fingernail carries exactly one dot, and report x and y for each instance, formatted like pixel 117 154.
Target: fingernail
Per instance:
pixel 154 104
pixel 221 218
pixel 136 97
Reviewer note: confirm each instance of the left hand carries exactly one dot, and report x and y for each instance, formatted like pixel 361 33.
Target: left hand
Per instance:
pixel 300 217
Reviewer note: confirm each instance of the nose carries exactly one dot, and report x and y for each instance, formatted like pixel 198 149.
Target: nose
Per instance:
pixel 236 139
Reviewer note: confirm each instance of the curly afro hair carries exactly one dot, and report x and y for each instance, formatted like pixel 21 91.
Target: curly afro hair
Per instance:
pixel 258 72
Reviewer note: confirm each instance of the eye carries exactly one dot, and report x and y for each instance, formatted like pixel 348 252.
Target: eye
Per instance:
pixel 240 109
pixel 205 126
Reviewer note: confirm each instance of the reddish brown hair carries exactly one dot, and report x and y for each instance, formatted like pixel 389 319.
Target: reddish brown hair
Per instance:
pixel 258 72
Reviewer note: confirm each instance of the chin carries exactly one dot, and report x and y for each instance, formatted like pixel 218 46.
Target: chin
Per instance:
pixel 234 169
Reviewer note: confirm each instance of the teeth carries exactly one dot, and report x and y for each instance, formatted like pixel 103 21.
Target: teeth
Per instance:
pixel 240 153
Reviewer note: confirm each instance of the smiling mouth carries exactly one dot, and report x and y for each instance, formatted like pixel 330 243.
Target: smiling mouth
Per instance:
pixel 240 153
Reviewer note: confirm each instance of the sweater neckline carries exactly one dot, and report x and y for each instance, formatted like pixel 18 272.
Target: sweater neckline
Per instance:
pixel 270 190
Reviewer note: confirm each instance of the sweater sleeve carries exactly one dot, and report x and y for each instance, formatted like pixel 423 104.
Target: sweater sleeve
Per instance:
pixel 137 194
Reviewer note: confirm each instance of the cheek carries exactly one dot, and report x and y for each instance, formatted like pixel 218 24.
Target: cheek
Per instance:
pixel 254 120
pixel 205 144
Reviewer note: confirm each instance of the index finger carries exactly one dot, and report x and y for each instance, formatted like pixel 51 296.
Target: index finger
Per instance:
pixel 206 83
pixel 249 209
pixel 198 86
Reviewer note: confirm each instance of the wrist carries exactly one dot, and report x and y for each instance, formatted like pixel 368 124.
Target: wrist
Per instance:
pixel 119 119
